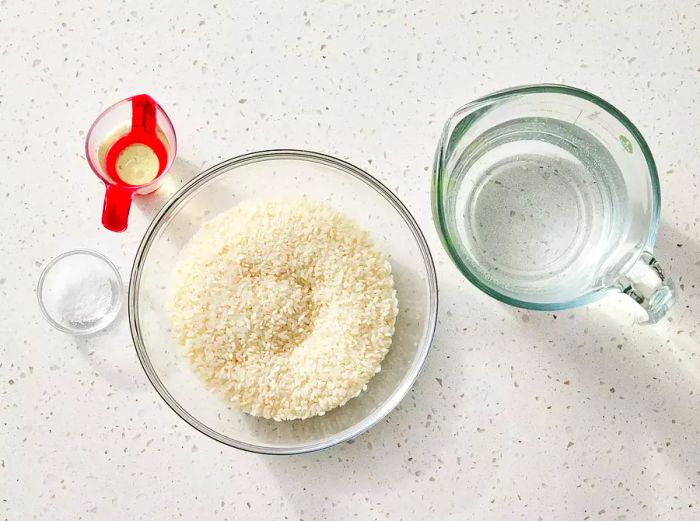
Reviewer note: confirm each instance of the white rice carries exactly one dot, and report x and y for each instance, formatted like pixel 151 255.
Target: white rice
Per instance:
pixel 284 306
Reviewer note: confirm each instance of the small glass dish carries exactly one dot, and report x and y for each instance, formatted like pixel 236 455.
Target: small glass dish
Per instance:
pixel 268 174
pixel 80 292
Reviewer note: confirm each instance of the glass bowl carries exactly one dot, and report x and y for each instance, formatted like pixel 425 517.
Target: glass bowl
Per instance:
pixel 282 173
pixel 80 292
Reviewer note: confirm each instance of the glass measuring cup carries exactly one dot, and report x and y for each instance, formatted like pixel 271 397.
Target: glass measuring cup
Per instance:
pixel 547 197
pixel 112 124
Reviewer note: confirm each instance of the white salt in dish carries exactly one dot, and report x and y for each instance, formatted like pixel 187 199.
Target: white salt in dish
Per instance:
pixel 80 292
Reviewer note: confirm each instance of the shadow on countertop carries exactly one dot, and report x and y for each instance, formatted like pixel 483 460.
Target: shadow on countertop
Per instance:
pixel 434 428
pixel 625 395
pixel 181 172
pixel 111 355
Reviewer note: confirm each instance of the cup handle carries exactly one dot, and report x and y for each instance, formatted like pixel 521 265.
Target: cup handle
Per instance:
pixel 115 212
pixel 647 284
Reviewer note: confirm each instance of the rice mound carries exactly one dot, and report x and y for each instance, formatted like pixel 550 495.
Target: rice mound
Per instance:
pixel 284 307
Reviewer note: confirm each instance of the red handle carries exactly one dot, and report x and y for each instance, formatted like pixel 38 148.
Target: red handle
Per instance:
pixel 115 212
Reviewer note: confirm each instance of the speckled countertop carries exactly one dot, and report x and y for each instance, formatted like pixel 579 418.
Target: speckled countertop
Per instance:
pixel 517 415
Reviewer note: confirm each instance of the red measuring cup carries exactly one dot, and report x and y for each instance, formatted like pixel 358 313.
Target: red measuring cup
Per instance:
pixel 135 120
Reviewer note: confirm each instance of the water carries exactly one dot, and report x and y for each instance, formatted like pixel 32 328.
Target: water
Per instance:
pixel 538 206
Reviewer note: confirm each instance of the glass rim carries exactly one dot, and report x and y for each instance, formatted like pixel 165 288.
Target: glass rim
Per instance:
pixel 439 210
pixel 190 189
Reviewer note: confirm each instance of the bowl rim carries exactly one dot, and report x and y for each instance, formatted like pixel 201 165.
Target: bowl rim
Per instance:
pixel 213 172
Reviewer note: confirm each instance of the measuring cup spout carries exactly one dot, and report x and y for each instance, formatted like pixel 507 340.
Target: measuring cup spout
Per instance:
pixel 115 212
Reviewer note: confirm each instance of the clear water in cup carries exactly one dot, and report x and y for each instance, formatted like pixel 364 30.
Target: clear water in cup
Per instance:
pixel 541 205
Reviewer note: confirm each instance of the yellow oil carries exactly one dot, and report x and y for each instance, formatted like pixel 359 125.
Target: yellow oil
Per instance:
pixel 137 164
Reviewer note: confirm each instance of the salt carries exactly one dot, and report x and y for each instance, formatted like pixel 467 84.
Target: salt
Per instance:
pixel 83 302
pixel 81 291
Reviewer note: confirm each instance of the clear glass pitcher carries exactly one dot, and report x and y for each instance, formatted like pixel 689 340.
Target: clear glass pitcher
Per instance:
pixel 547 197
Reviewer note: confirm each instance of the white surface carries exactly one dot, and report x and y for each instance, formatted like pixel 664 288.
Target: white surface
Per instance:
pixel 514 416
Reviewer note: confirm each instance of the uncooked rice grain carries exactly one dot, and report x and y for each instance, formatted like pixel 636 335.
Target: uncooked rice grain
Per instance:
pixel 284 306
